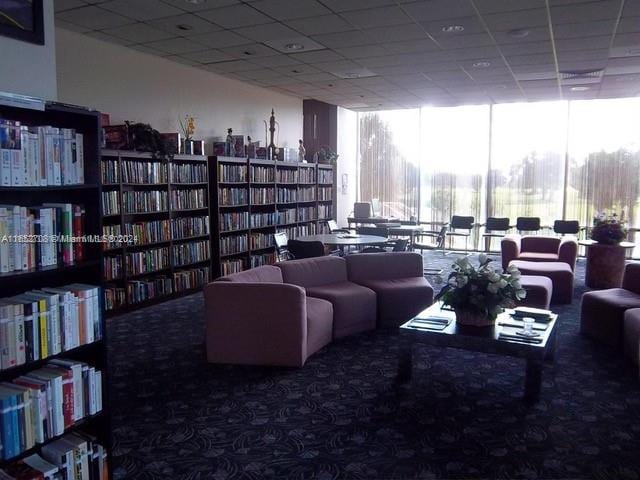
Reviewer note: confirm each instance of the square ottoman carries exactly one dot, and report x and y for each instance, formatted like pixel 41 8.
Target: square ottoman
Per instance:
pixel 632 335
pixel 559 273
pixel 539 291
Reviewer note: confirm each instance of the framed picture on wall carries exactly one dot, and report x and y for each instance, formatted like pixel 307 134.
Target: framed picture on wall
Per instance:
pixel 22 20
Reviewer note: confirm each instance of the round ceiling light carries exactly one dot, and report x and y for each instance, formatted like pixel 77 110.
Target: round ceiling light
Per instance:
pixel 519 32
pixel 483 64
pixel 195 2
pixel 184 26
pixel 294 46
pixel 453 29
pixel 580 88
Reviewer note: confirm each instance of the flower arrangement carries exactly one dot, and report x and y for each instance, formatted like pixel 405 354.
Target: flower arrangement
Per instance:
pixel 479 295
pixel 608 229
pixel 188 126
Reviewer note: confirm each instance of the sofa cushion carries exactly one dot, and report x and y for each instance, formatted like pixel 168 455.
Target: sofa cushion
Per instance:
pixel 387 265
pixel 560 274
pixel 539 291
pixel 400 299
pixel 538 257
pixel 312 272
pixel 539 243
pixel 602 314
pixel 354 306
pixel 266 273
pixel 319 324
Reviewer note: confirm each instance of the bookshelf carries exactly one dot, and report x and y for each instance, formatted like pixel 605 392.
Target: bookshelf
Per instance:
pixel 160 208
pixel 252 199
pixel 68 336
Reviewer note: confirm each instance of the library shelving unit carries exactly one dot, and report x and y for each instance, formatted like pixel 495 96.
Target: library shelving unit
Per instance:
pixel 86 271
pixel 252 199
pixel 160 206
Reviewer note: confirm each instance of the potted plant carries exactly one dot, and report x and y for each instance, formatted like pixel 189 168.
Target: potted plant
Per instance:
pixel 479 295
pixel 608 229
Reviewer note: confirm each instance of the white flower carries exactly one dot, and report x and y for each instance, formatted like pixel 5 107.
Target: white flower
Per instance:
pixel 493 277
pixel 482 258
pixel 517 284
pixel 502 283
pixel 493 287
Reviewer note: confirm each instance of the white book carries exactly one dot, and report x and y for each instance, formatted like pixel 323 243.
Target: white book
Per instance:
pixel 52 155
pixel 25 156
pixel 18 317
pixel 61 455
pixel 92 391
pixel 79 158
pixel 78 392
pixel 24 230
pixel 43 173
pixel 12 214
pixel 48 470
pixel 5 167
pixel 57 397
pixel 4 235
pixel 98 391
pixel 66 156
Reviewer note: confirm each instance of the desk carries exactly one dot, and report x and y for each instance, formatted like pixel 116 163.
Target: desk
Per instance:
pixel 344 239
pixel 605 263
pixel 372 220
pixel 406 231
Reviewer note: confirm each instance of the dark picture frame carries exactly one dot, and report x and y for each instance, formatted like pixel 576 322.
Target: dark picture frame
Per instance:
pixel 29 13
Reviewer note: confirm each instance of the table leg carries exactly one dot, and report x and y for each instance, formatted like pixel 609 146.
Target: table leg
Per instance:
pixel 532 381
pixel 405 366
pixel 552 345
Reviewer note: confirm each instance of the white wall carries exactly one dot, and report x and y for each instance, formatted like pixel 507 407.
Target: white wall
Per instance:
pixel 347 163
pixel 130 85
pixel 27 68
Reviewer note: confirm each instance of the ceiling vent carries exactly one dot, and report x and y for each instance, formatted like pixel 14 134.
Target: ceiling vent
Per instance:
pixel 575 77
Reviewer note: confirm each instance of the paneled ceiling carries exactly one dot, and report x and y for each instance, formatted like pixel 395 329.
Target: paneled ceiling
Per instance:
pixel 385 54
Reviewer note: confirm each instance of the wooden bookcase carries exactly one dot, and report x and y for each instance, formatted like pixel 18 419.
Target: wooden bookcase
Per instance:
pixel 167 246
pixel 278 196
pixel 88 271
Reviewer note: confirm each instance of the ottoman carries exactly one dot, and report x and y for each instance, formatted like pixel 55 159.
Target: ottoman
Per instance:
pixel 559 273
pixel 632 335
pixel 602 314
pixel 539 291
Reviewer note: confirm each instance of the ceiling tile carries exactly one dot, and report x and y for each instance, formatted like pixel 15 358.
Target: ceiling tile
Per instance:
pixel 629 25
pixel 194 7
pixel 250 50
pixel 627 40
pixel 109 38
pixel 526 48
pixel 176 46
pixel 499 6
pixel 208 56
pixel 147 50
pixel 181 60
pixel 184 25
pixel 319 24
pixel 463 41
pixel 620 66
pixel 70 26
pixel 362 51
pixel 536 59
pixel 317 56
pixel 317 77
pixel 220 39
pixel 235 16
pixel 410 31
pixel 439 9
pixel 279 60
pixel 583 29
pixel 351 38
pixel 631 9
pixel 93 18
pixel 474 53
pixel 502 22
pixel 141 9
pixel 338 66
pixel 470 25
pixel 383 61
pixel 232 66
pixel 377 17
pixel 587 43
pixel 138 33
pixel 296 70
pixel 267 31
pixel 585 12
pixel 412 46
pixel 535 34
pixel 286 9
pixel 61 5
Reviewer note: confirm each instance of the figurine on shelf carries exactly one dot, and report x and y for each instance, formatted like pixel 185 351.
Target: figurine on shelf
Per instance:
pixel 228 150
pixel 301 152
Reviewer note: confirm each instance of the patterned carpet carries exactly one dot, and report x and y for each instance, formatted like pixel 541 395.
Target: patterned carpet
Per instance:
pixel 341 416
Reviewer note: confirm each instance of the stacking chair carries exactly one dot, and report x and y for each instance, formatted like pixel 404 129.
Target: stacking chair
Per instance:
pixel 282 249
pixel 399 245
pixel 461 227
pixel 496 227
pixel 334 228
pixel 566 227
pixel 305 249
pixel 361 210
pixel 438 244
pixel 528 224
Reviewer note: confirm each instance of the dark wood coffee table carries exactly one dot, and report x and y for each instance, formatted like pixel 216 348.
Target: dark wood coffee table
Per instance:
pixel 500 339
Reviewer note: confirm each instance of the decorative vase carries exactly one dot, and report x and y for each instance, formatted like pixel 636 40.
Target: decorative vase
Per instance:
pixel 469 317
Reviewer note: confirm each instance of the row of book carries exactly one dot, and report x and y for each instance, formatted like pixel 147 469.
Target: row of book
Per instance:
pixel 231 244
pixel 260 220
pixel 112 267
pixel 137 291
pixel 301 230
pixel 235 221
pixel 43 403
pixel 307 175
pixel 40 323
pixel 325 212
pixel 111 202
pixel 144 233
pixel 263 196
pixel 188 172
pixel 261 174
pixel 39 156
pixel 75 456
pixel 192 252
pixel 232 173
pixel 286 175
pixel 109 171
pixel 232 196
pixel 145 201
pixel 147 261
pixel 324 194
pixel 259 240
pixel 286 195
pixel 325 175
pixel 263 259
pixel 306 194
pixel 40 236
pixel 187 227
pixel 287 216
pixel 306 214
pixel 113 233
pixel 235 265
pixel 143 172
pixel 186 199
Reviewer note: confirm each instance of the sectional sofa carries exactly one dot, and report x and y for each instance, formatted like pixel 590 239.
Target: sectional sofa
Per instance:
pixel 282 314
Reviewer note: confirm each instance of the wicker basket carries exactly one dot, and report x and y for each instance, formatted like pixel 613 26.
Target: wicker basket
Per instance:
pixel 469 317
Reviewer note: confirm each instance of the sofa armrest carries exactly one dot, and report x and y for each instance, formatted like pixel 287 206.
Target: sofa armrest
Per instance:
pixel 384 266
pixel 631 278
pixel 256 323
pixel 568 251
pixel 510 249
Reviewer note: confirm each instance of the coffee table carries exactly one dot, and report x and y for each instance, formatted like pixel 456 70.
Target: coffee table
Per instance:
pixel 500 339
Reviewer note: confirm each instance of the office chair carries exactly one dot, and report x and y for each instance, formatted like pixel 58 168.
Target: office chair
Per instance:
pixel 334 228
pixel 566 227
pixel 399 245
pixel 495 224
pixel 305 249
pixel 461 223
pixel 281 241
pixel 528 224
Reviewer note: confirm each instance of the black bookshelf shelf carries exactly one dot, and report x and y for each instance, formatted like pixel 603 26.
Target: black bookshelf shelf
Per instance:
pixel 234 206
pixel 134 214
pixel 52 188
pixel 234 254
pixel 239 230
pixel 52 269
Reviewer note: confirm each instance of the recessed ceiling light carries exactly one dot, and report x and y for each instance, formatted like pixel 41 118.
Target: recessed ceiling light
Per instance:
pixel 295 71
pixel 519 32
pixel 249 52
pixel 184 26
pixel 580 88
pixel 294 46
pixel 195 2
pixel 453 29
pixel 483 64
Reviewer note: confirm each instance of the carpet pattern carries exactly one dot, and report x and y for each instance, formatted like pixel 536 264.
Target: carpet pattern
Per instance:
pixel 342 416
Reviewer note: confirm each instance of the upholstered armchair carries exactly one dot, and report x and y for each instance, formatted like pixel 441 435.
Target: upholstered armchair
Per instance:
pixel 538 248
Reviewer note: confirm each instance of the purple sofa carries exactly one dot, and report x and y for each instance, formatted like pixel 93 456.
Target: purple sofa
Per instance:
pixel 537 248
pixel 254 318
pixel 354 306
pixel 398 280
pixel 603 311
pixel 632 335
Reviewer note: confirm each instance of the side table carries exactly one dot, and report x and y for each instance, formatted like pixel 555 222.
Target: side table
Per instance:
pixel 605 263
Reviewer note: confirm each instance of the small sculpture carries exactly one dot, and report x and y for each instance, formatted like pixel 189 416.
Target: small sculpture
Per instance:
pixel 301 152
pixel 228 148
